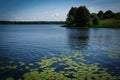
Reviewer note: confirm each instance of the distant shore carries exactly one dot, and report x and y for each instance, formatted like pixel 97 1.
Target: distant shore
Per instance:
pixel 106 23
pixel 32 22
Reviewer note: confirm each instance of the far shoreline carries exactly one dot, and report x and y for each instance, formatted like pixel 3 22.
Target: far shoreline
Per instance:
pixel 107 23
pixel 31 22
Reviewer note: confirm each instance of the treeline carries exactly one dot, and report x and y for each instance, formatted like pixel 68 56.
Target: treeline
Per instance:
pixel 32 22
pixel 81 17
pixel 108 14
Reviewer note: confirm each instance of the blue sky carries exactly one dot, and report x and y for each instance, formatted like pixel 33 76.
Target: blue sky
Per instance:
pixel 50 10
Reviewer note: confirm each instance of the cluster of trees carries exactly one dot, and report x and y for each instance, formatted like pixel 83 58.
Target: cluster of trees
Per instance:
pixel 81 17
pixel 78 17
pixel 108 14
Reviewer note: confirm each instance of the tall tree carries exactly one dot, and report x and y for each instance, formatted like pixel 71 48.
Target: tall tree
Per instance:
pixel 108 14
pixel 78 17
pixel 71 16
pixel 100 14
pixel 83 16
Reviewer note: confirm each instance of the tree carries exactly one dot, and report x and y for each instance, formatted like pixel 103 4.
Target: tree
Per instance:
pixel 78 17
pixel 95 19
pixel 108 14
pixel 117 15
pixel 82 16
pixel 71 16
pixel 100 14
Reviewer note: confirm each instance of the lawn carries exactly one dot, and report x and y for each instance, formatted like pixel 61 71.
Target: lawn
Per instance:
pixel 109 23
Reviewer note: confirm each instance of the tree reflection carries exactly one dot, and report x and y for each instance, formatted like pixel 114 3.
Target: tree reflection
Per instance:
pixel 78 38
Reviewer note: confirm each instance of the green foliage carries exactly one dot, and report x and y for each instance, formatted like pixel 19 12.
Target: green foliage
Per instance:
pixel 108 14
pixel 82 16
pixel 108 23
pixel 71 16
pixel 78 17
pixel 100 14
pixel 95 19
pixel 117 15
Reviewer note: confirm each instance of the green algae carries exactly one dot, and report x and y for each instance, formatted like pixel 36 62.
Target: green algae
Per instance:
pixel 47 74
pixel 113 56
pixel 73 68
pixel 27 67
pixel 47 62
pixel 35 69
pixel 31 64
pixel 9 67
pixel 11 62
pixel 114 51
pixel 10 78
pixel 21 69
pixel 77 70
pixel 88 54
pixel 21 63
pixel 1 62
pixel 111 51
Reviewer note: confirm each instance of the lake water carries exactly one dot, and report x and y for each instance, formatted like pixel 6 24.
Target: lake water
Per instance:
pixel 21 46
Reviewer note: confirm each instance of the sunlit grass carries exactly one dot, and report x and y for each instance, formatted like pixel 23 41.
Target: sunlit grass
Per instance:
pixel 109 23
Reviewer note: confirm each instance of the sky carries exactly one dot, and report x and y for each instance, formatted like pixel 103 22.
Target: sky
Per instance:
pixel 50 10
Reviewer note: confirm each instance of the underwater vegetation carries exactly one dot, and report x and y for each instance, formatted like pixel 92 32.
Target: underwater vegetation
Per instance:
pixel 10 78
pixel 73 67
pixel 113 54
pixel 9 67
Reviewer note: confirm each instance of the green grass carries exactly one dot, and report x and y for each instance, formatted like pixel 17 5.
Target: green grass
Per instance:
pixel 109 23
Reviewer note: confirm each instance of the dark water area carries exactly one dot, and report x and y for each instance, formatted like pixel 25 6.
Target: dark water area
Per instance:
pixel 23 45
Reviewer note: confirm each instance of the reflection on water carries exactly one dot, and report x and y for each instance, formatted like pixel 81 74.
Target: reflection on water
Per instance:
pixel 104 38
pixel 78 39
pixel 22 47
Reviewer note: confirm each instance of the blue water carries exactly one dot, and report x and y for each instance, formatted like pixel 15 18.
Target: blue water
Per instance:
pixel 30 43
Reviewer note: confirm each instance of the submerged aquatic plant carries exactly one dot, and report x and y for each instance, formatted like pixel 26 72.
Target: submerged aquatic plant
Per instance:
pixel 74 69
pixel 114 56
pixel 9 67
pixel 31 64
pixel 21 63
pixel 67 68
pixel 10 78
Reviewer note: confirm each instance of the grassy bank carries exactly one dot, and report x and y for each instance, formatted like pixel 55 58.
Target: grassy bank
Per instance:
pixel 108 23
pixel 105 23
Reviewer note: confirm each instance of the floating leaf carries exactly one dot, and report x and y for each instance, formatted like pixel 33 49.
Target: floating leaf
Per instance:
pixel 21 63
pixel 31 64
pixel 10 78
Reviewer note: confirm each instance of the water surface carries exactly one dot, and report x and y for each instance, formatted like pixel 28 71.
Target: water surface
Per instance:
pixel 30 43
